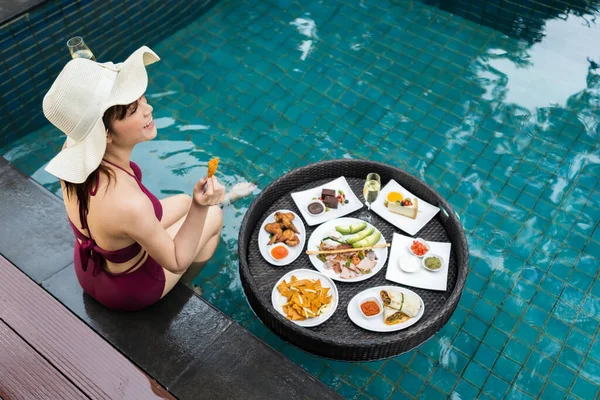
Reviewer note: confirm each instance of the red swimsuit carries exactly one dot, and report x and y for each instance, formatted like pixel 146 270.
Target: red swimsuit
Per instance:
pixel 126 290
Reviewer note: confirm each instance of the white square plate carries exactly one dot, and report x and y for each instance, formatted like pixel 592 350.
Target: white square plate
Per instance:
pixel 422 278
pixel 411 226
pixel 303 198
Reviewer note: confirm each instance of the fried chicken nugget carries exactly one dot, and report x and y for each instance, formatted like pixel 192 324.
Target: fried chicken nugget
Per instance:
pixel 212 166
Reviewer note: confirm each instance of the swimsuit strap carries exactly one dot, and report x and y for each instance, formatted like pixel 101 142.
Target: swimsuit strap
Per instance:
pixel 121 168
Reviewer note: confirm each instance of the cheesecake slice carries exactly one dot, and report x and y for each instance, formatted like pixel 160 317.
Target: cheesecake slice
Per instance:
pixel 408 207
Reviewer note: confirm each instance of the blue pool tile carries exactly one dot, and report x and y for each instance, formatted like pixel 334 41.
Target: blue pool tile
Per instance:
pixel 539 364
pixel 529 382
pixel 495 339
pixel 570 358
pixel 422 365
pixel 466 343
pixel 516 394
pixel 496 387
pixel 505 322
pixel 551 392
pixel 379 388
pixel 411 384
pixel 486 356
pixel 348 391
pixel 526 333
pixel 358 376
pixel 579 341
pixel 516 351
pixel 585 389
pixel 562 376
pixel 465 390
pixel 476 374
pixel 444 379
pixel 393 371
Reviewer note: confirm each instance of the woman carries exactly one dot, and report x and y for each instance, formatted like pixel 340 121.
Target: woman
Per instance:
pixel 131 248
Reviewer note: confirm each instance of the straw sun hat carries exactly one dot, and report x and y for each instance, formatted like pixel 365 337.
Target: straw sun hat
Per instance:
pixel 77 100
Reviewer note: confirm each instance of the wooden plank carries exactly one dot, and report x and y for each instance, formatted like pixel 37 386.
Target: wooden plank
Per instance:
pixel 67 343
pixel 24 374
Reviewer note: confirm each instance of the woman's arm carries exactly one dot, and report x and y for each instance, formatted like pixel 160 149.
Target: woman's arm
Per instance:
pixel 175 254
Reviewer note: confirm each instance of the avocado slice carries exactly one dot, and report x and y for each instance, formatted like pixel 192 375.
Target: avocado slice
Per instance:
pixel 360 235
pixel 352 228
pixel 368 241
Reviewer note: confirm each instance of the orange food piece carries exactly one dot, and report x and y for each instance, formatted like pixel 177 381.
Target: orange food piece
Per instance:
pixel 212 166
pixel 370 308
pixel 393 197
pixel 279 252
pixel 418 248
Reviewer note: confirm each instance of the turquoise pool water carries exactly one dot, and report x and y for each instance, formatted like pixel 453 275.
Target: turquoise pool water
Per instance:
pixel 506 129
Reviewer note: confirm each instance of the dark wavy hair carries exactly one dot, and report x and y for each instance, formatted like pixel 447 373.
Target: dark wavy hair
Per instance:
pixel 82 190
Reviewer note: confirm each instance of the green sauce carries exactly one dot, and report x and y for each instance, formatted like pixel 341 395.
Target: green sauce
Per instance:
pixel 433 263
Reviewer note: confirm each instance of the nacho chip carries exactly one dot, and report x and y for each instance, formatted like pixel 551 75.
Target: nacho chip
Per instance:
pixel 212 166
pixel 306 298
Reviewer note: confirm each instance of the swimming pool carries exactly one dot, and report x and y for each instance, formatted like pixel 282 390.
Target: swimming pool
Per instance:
pixel 504 127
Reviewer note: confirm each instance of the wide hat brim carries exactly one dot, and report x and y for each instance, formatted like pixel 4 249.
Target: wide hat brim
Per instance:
pixel 79 159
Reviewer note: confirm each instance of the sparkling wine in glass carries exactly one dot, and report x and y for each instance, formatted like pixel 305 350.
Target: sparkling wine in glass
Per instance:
pixel 371 189
pixel 79 49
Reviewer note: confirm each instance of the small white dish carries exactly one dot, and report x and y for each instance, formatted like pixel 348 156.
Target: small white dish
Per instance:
pixel 324 230
pixel 376 300
pixel 265 247
pixel 275 246
pixel 422 242
pixel 278 300
pixel 422 278
pixel 301 199
pixel 411 226
pixel 319 202
pixel 433 256
pixel 409 264
pixel 377 324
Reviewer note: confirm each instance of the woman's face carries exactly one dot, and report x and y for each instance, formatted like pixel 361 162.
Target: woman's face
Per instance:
pixel 137 126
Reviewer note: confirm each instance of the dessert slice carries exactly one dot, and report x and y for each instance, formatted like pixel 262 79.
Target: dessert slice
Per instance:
pixel 407 207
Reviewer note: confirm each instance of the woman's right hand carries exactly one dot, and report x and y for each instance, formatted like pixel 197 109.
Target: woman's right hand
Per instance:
pixel 208 192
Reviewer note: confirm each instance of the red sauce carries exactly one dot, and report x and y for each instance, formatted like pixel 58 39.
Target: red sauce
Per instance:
pixel 370 308
pixel 279 252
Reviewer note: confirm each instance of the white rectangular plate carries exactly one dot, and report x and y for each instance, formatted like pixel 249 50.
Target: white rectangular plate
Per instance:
pixel 303 198
pixel 423 278
pixel 411 226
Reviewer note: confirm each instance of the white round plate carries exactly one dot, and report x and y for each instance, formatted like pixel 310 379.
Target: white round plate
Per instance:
pixel 278 300
pixel 265 248
pixel 376 324
pixel 327 227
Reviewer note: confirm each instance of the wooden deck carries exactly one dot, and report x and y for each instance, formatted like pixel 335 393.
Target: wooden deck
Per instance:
pixel 48 353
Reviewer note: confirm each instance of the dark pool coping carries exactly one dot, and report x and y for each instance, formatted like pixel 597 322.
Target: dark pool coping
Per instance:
pixel 186 344
pixel 10 9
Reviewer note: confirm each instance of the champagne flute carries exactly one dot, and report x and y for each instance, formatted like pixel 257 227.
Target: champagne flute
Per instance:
pixel 79 49
pixel 371 190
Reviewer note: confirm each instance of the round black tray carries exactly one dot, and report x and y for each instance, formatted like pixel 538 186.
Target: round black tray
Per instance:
pixel 339 338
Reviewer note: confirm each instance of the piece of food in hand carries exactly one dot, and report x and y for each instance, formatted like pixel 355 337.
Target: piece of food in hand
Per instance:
pixel 306 298
pixel 212 166
pixel 399 306
pixel 406 207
